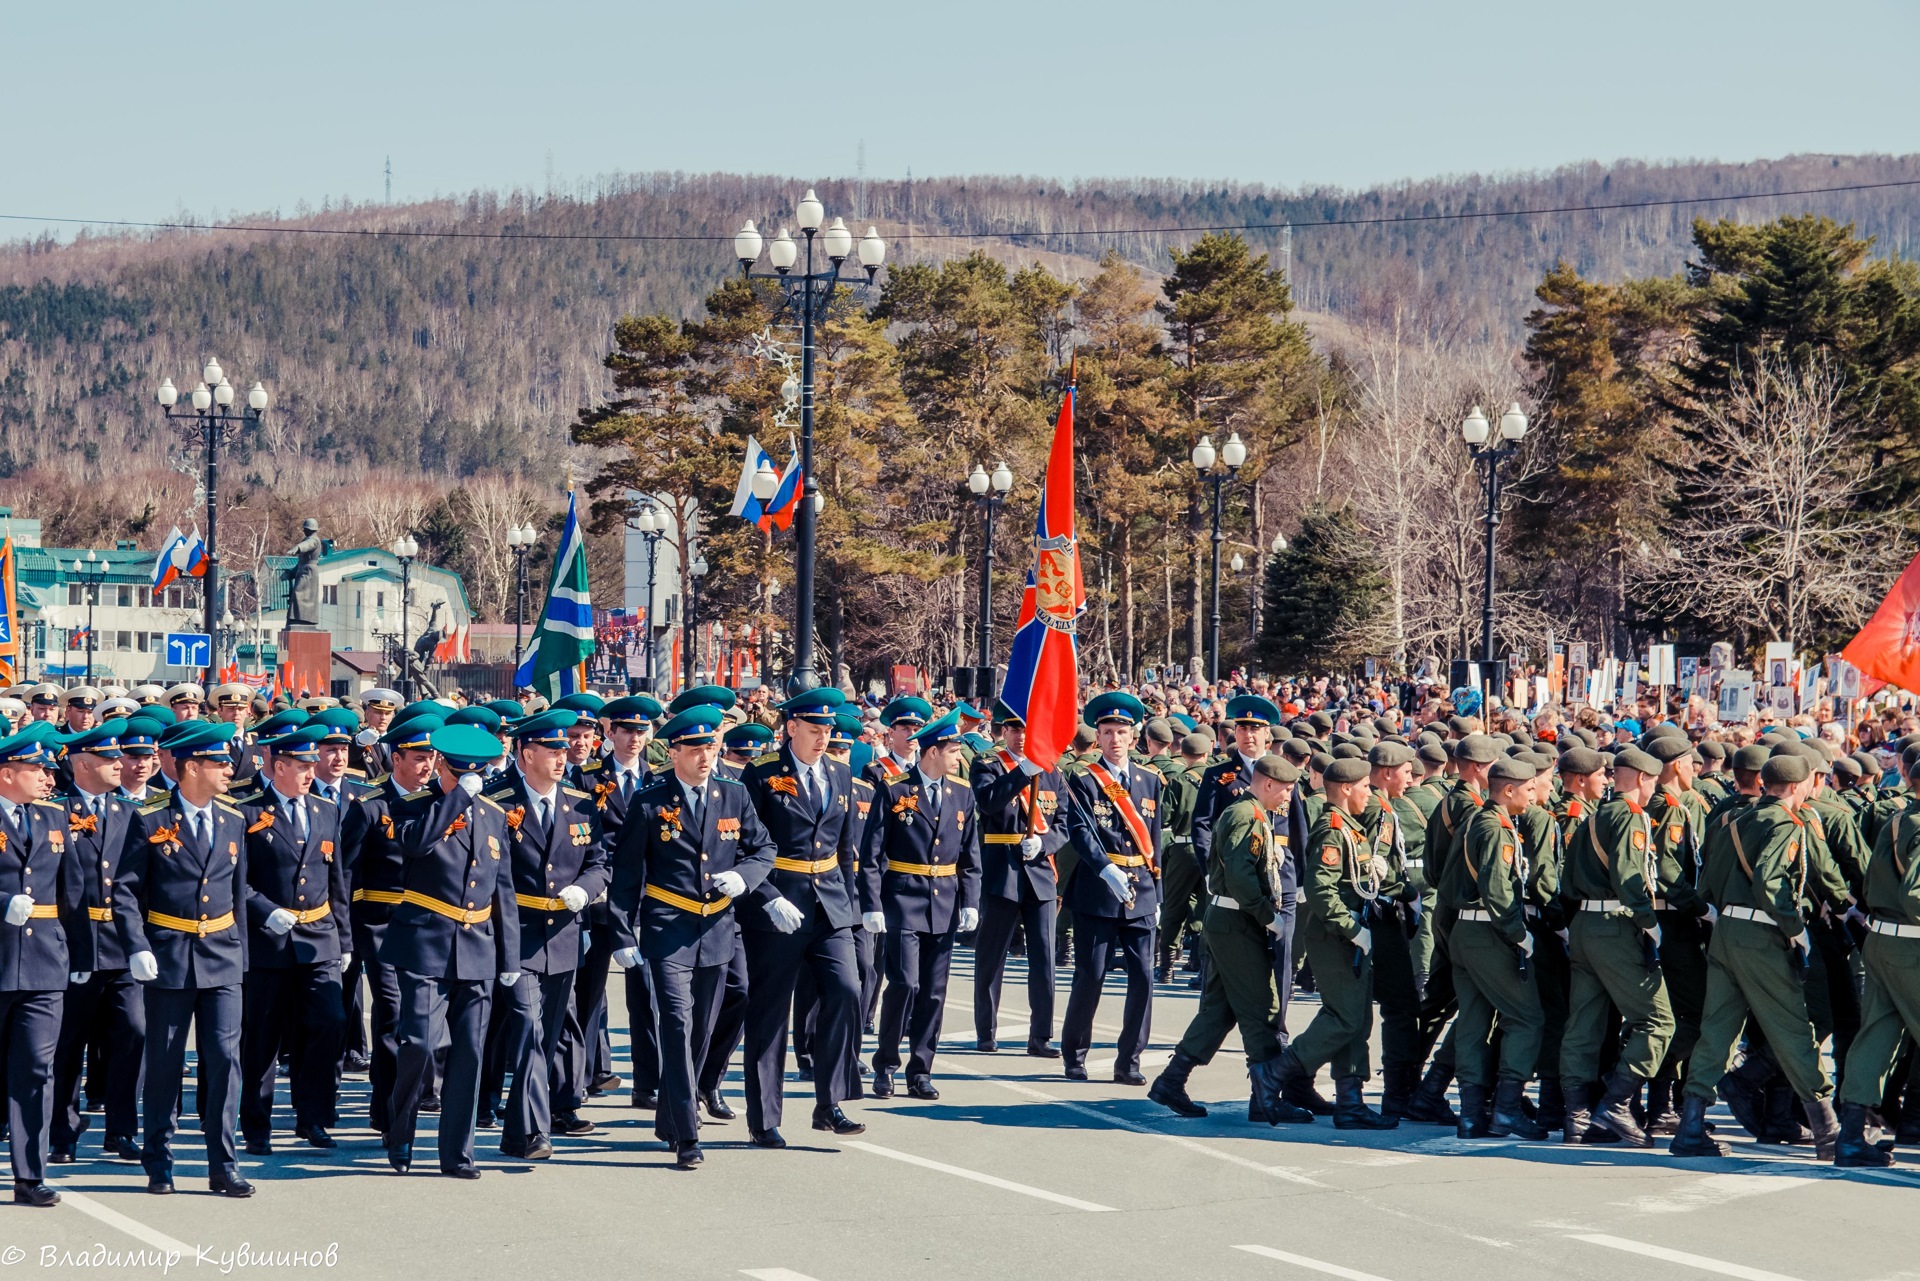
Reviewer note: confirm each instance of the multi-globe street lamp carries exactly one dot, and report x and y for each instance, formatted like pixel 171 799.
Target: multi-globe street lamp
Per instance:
pixel 643 520
pixel 1475 430
pixel 1232 455
pixel 91 572
pixel 404 549
pixel 990 490
pixel 520 541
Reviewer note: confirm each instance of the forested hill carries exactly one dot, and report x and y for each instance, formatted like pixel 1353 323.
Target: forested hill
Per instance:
pixel 471 353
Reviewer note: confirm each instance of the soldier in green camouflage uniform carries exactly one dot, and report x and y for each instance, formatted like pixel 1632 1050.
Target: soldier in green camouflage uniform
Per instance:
pixel 1182 880
pixel 1396 827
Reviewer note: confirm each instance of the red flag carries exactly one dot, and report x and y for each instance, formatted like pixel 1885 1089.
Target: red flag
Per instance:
pixel 1043 672
pixel 1888 647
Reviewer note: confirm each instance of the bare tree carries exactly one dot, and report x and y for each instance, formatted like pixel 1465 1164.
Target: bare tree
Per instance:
pixel 1773 537
pixel 489 507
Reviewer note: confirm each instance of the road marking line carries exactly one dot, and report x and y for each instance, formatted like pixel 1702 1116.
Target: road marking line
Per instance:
pixel 1681 1257
pixel 1288 1173
pixel 1312 1265
pixel 1716 1189
pixel 132 1227
pixel 988 1179
pixel 774 1274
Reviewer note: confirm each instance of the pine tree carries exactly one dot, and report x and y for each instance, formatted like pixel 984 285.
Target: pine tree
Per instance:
pixel 1326 596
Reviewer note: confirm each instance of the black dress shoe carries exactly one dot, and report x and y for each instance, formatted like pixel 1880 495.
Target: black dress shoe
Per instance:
pixel 571 1125
pixel 35 1194
pixel 766 1138
pixel 882 1084
pixel 460 1171
pixel 646 1100
pixel 987 1045
pixel 60 1156
pixel 317 1136
pixel 836 1121
pixel 430 1105
pixel 160 1185
pixel 400 1156
pixel 803 1064
pixel 236 1187
pixel 919 1087
pixel 715 1105
pixel 604 1083
pixel 1074 1072
pixel 1128 1078
pixel 484 1121
pixel 538 1148
pixel 687 1155
pixel 122 1146
pixel 259 1147
pixel 1041 1050
pixel 357 1063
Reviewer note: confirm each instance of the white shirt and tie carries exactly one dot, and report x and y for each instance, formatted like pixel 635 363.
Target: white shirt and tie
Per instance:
pixel 199 821
pixel 543 807
pixel 294 810
pixel 813 784
pixel 626 778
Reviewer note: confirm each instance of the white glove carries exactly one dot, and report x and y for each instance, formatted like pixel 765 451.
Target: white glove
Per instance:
pixel 346 959
pixel 1028 768
pixel 1855 914
pixel 510 979
pixel 1526 945
pixel 731 884
pixel 1654 933
pixel 367 737
pixel 1030 848
pixel 471 784
pixel 874 922
pixel 1804 944
pixel 143 967
pixel 79 977
pixel 1565 938
pixel 1364 941
pixel 969 919
pixel 280 921
pixel 574 897
pixel 1277 927
pixel 1713 915
pixel 786 917
pixel 1117 882
pixel 19 909
pixel 627 957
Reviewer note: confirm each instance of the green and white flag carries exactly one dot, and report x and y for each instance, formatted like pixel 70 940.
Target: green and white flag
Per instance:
pixel 556 664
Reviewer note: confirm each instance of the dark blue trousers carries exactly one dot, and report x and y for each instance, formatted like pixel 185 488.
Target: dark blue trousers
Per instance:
pixel 214 1013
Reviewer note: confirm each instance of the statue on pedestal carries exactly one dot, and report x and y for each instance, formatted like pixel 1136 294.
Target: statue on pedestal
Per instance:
pixel 303 582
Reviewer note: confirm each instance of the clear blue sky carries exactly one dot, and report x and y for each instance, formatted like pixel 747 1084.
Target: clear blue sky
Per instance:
pixel 142 110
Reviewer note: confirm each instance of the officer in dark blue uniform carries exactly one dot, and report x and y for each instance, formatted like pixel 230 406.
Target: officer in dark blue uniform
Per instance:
pixel 299 935
pixel 802 918
pixel 559 866
pixel 1114 893
pixel 742 744
pixel 900 720
pixel 919 886
pixel 183 890
pixel 729 1027
pixel 1020 832
pixel 140 777
pixel 376 877
pixel 584 759
pixel 806 997
pixel 621 777
pixel 454 936
pixel 46 943
pixel 98 822
pixel 692 844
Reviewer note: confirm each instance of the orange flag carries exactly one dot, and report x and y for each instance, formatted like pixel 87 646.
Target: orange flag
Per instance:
pixel 1888 647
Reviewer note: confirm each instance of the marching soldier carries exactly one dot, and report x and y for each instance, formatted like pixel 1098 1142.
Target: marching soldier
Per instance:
pixel 1183 879
pixel 1758 951
pixel 370 754
pixel 98 824
pixel 559 866
pixel 1244 891
pixel 1350 873
pixel 46 945
pixel 1020 831
pixel 691 845
pixel 454 936
pixel 1615 941
pixel 900 720
pixel 1114 823
pixel 742 743
pixel 233 704
pixel 183 888
pixel 919 886
pixel 377 876
pixel 1678 815
pixel 77 706
pixel 299 937
pixel 1395 827
pixel 1491 949
pixel 802 917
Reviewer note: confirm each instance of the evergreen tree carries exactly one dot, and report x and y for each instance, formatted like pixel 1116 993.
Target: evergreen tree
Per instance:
pixel 1326 596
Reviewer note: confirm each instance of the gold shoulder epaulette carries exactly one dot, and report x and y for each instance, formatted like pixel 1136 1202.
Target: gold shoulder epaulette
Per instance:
pixel 489 800
pixel 158 802
pixel 227 805
pixel 52 805
pixel 356 773
pixel 574 791
pixel 766 758
pixel 375 782
pixel 598 762
pixel 1153 770
pixel 318 797
pixel 500 795
pixel 247 798
pixel 418 794
pixel 859 782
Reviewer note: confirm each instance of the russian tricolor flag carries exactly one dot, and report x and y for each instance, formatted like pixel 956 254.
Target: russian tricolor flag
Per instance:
pixel 164 570
pixel 1043 671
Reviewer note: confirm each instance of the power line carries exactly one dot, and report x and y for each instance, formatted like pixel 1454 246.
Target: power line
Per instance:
pixel 1064 233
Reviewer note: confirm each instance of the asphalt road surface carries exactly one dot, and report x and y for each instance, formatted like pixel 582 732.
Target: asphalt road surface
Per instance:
pixel 1014 1172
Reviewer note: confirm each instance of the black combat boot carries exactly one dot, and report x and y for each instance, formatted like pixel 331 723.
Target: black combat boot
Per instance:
pixel 1350 1110
pixel 1509 1117
pixel 1296 1086
pixel 1692 1139
pixel 1268 1082
pixel 1472 1121
pixel 1851 1150
pixel 1782 1117
pixel 1397 1084
pixel 1826 1127
pixel 1743 1090
pixel 1553 1103
pixel 1577 1116
pixel 1428 1105
pixel 1614 1111
pixel 1661 1118
pixel 1169 1089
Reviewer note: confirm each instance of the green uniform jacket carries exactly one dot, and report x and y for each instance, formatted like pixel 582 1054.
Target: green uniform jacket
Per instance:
pixel 1545 854
pixel 1893 873
pixel 1841 831
pixel 1402 837
pixel 1763 865
pixel 1243 861
pixel 1610 856
pixel 1491 872
pixel 1446 830
pixel 1345 872
pixel 1678 818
